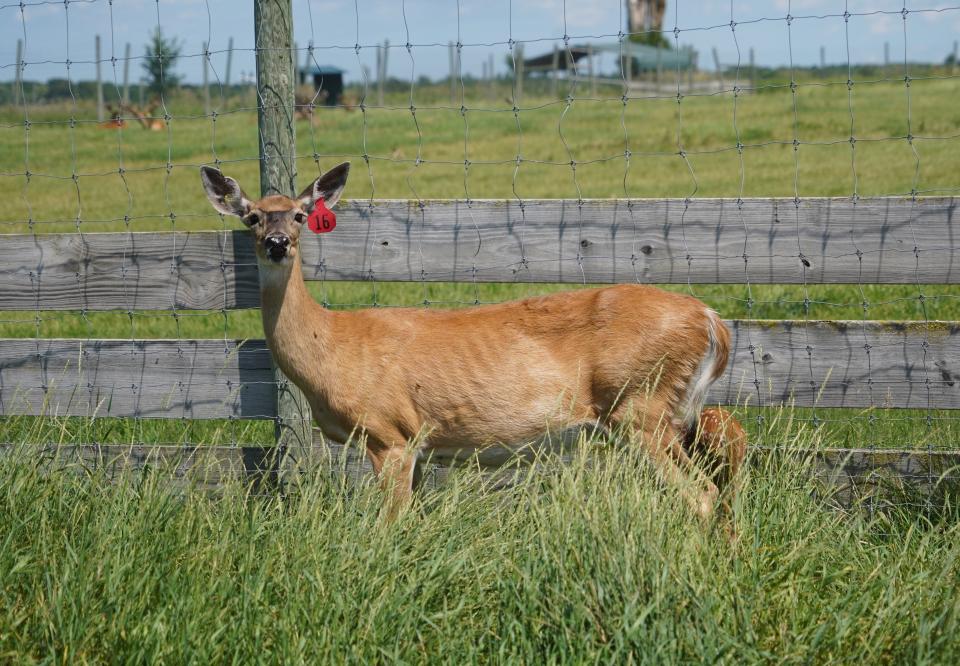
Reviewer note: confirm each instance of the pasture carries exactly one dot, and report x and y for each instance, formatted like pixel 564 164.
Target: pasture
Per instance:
pixel 589 563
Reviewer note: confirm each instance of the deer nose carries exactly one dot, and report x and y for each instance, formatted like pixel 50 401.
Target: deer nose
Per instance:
pixel 276 246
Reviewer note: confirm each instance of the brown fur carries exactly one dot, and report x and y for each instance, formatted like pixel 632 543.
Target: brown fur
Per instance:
pixel 468 378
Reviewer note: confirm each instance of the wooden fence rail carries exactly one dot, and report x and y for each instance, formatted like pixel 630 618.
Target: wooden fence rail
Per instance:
pixel 806 364
pixel 850 474
pixel 880 241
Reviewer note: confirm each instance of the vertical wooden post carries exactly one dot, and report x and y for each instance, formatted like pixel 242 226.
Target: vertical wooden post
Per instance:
pixel 716 62
pixel 591 71
pixel 226 78
pixel 753 70
pixel 18 78
pixel 886 57
pixel 206 82
pixel 823 59
pixel 451 61
pixel 493 76
pixel 383 71
pixel 126 74
pixel 273 29
pixel 690 70
pixel 956 54
pixel 555 73
pixel 518 75
pixel 379 73
pixel 96 48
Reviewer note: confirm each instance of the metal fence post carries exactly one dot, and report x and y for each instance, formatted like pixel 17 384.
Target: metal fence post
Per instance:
pixel 273 29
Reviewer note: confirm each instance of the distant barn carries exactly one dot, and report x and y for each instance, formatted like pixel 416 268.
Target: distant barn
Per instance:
pixel 326 78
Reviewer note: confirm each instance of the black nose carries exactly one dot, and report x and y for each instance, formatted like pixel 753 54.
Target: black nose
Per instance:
pixel 276 246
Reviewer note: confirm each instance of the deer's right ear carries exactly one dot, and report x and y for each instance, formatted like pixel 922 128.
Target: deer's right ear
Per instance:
pixel 224 193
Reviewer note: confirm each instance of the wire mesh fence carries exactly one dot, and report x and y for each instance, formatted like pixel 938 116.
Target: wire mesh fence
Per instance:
pixel 718 175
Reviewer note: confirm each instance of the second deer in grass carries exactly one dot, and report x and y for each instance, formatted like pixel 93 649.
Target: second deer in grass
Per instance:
pixel 629 355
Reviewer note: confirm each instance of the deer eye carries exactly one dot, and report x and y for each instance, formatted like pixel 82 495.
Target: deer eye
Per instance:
pixel 252 220
pixel 300 218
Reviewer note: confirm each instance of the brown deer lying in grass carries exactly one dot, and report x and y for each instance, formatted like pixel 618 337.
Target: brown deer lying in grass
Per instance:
pixel 428 380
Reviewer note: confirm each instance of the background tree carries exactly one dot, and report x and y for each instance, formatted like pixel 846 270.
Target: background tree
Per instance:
pixel 645 21
pixel 161 57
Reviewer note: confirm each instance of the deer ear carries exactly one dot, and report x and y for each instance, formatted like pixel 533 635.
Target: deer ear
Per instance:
pixel 329 187
pixel 224 193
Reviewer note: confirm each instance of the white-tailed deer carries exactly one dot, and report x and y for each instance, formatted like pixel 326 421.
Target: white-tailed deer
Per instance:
pixel 629 355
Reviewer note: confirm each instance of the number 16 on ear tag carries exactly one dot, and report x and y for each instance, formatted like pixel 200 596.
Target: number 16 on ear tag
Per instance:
pixel 322 220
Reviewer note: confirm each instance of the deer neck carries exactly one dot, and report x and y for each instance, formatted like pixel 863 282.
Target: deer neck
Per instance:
pixel 296 326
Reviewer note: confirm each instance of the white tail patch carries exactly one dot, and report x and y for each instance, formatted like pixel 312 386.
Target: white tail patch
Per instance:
pixel 704 376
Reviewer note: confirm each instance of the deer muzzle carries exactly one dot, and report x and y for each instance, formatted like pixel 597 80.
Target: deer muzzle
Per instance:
pixel 276 247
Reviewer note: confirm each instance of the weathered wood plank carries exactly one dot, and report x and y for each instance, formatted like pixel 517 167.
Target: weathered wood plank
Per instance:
pixel 850 474
pixel 138 271
pixel 884 240
pixel 652 241
pixel 812 364
pixel 199 466
pixel 195 379
pixel 877 477
pixel 842 364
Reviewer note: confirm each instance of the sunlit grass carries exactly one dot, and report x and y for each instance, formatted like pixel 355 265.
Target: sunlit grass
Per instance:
pixel 585 562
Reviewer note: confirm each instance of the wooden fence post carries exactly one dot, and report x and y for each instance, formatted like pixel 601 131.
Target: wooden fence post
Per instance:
pixel 99 79
pixel 273 29
pixel 591 71
pixel 518 75
pixel 382 70
pixel 206 81
pixel 18 74
pixel 716 62
pixel 126 75
pixel 452 65
pixel 226 78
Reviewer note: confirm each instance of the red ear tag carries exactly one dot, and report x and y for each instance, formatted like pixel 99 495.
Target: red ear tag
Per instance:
pixel 322 219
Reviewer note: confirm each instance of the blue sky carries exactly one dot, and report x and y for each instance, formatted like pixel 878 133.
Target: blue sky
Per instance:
pixel 55 34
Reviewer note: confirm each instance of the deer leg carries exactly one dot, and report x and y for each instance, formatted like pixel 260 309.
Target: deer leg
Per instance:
pixel 660 443
pixel 394 465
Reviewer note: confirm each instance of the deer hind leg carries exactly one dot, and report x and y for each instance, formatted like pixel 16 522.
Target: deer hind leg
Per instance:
pixel 394 466
pixel 660 442
pixel 719 444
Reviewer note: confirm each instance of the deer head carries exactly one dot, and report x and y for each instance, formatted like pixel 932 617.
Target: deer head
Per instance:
pixel 276 220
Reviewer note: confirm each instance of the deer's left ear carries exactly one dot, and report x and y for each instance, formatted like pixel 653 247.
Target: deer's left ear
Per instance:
pixel 329 187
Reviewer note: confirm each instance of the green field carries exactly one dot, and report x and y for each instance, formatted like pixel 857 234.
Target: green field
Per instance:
pixel 591 563
pixel 596 134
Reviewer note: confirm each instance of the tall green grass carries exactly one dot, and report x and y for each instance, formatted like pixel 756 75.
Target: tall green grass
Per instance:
pixel 589 563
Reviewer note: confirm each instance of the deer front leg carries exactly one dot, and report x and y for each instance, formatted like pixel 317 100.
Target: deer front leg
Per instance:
pixel 394 467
